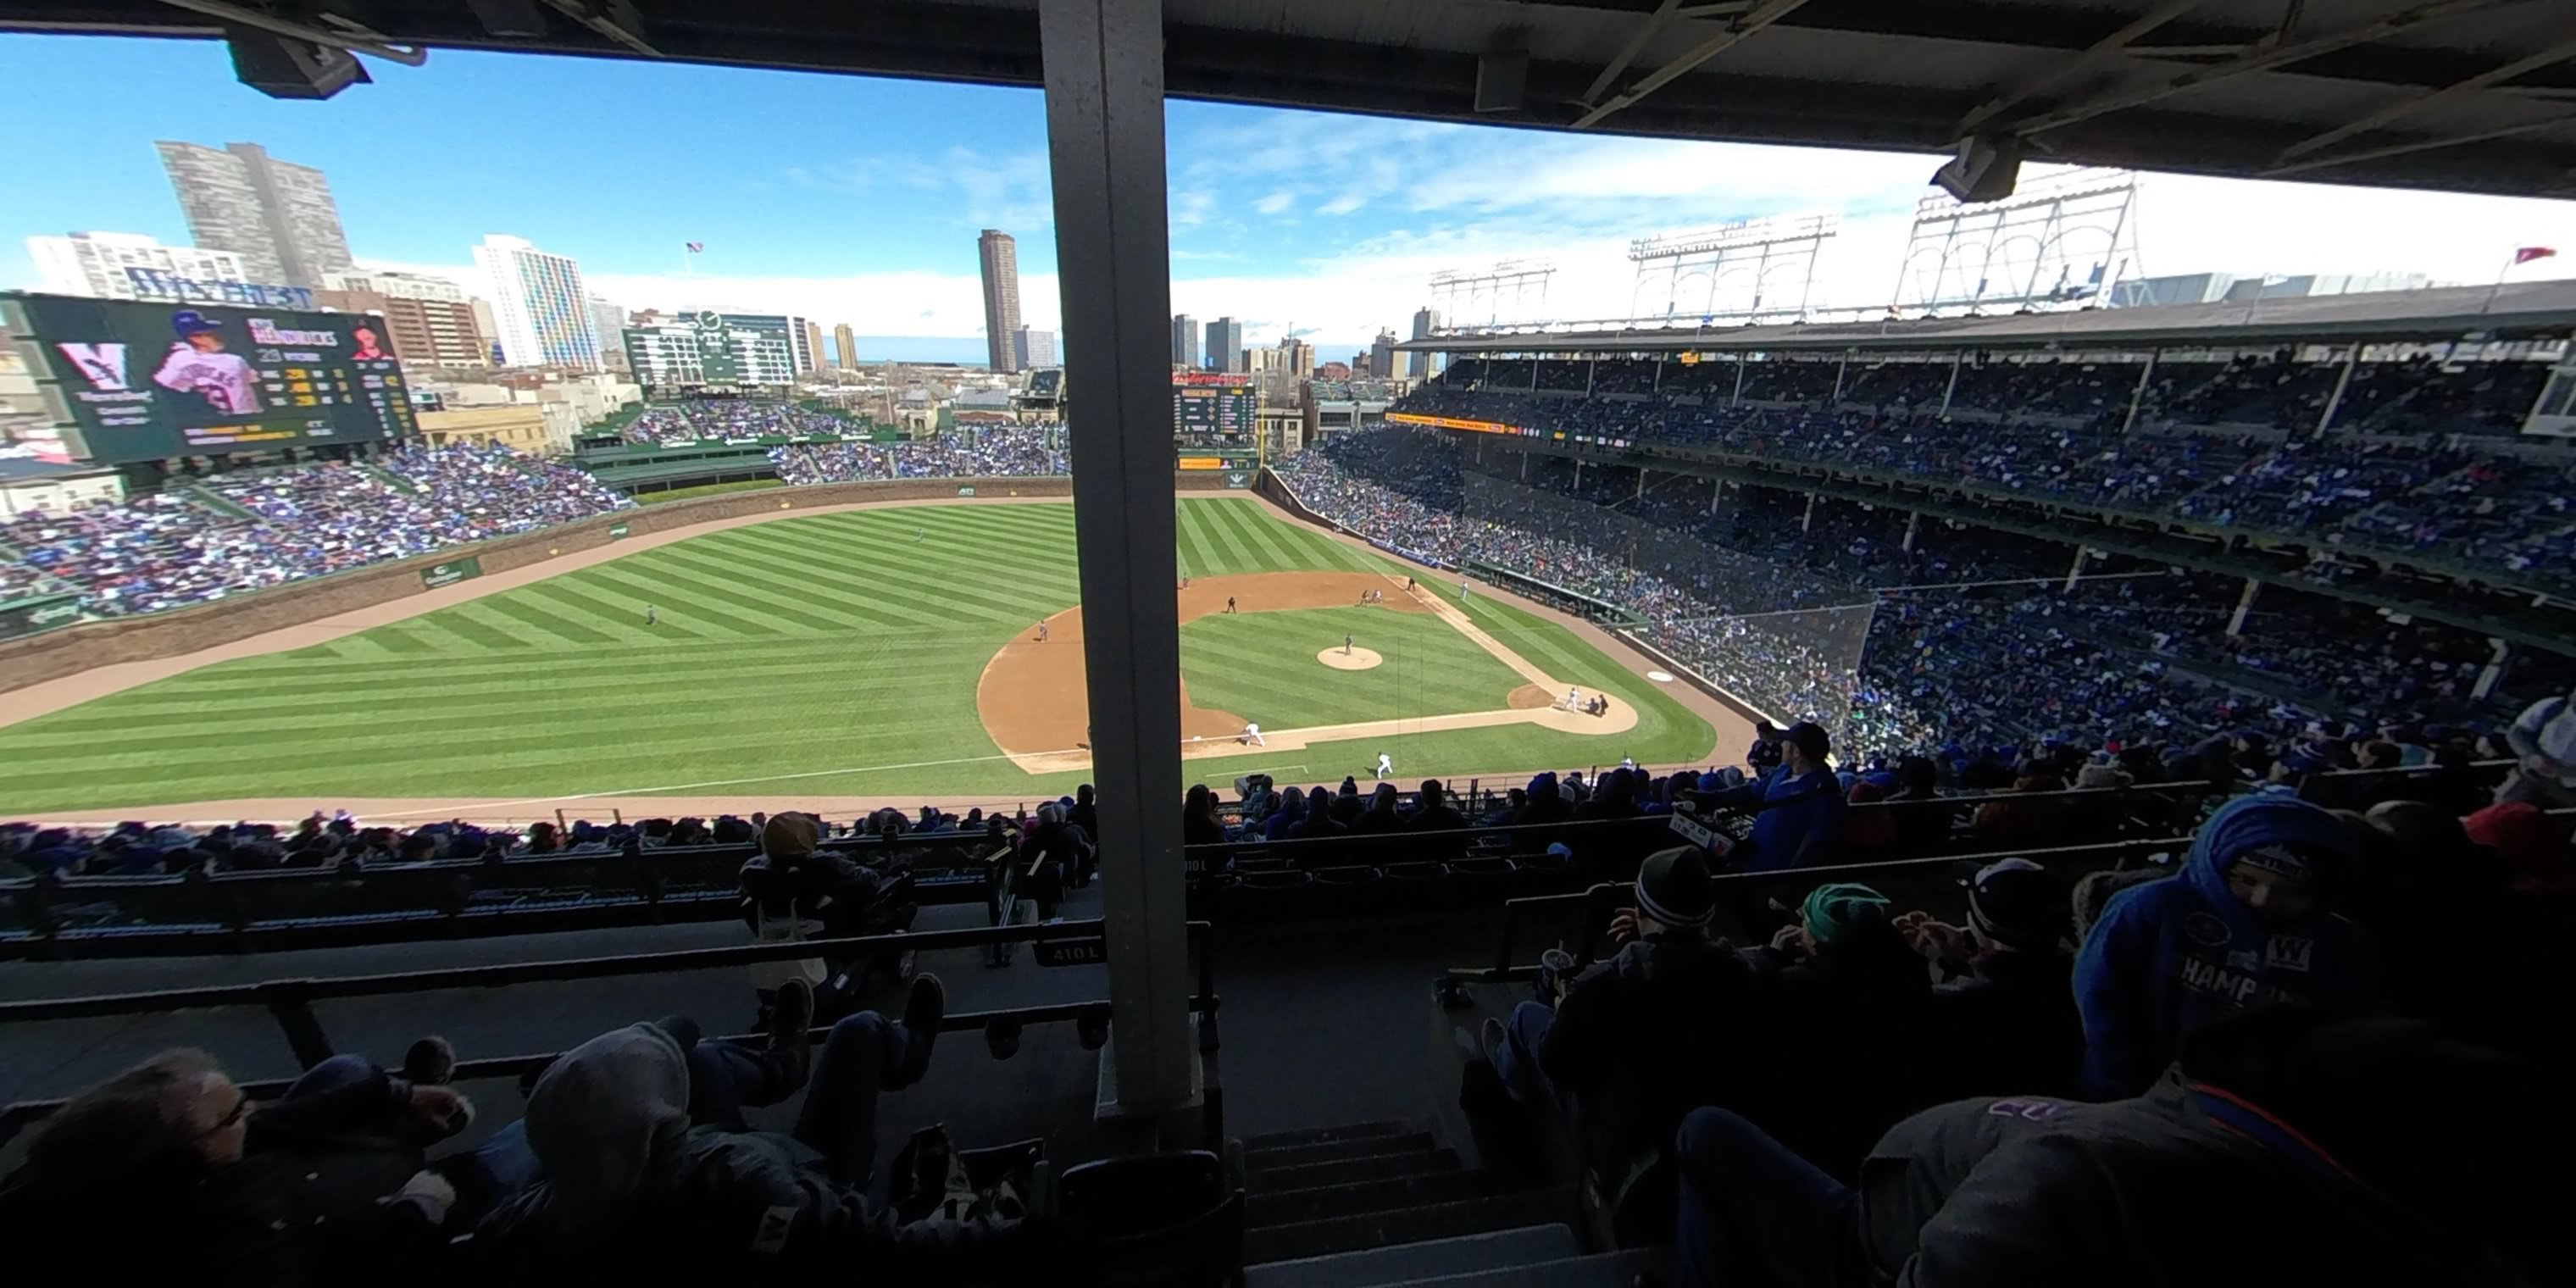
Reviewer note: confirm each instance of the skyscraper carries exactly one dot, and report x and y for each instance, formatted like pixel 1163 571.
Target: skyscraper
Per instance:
pixel 539 307
pixel 609 321
pixel 1185 340
pixel 1001 258
pixel 95 263
pixel 1382 353
pixel 1225 345
pixel 1296 357
pixel 845 347
pixel 1032 348
pixel 1423 365
pixel 433 321
pixel 278 216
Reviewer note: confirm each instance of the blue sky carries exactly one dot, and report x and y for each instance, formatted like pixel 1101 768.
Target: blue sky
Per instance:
pixel 858 200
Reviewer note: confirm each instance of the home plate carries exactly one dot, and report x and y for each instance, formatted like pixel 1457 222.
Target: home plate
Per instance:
pixel 1660 677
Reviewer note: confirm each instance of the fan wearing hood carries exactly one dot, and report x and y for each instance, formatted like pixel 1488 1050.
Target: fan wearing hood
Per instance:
pixel 2248 925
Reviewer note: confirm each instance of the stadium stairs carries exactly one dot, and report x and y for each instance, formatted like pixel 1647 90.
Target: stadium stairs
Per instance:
pixel 219 503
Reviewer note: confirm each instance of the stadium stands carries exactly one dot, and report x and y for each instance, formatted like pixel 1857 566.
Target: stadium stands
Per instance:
pixel 225 533
pixel 983 453
pixel 680 424
pixel 2415 462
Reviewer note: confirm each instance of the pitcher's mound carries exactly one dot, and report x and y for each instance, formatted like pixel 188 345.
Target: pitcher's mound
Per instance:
pixel 1358 659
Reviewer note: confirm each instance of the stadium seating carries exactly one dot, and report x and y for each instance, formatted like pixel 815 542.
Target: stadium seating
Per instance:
pixel 226 533
pixel 2137 659
pixel 2412 465
pixel 985 453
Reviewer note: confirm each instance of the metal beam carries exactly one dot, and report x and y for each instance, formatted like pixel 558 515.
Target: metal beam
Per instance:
pixel 2060 68
pixel 2417 145
pixel 614 20
pixel 2558 53
pixel 1754 20
pixel 1628 52
pixel 1104 107
pixel 2259 60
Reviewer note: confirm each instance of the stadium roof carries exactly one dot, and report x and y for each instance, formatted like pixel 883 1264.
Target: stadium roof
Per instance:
pixel 2443 313
pixel 2472 95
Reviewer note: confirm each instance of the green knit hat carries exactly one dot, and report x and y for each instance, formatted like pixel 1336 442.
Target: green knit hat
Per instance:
pixel 1831 911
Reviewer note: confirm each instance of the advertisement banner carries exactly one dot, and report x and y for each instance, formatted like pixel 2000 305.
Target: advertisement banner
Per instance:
pixel 1238 478
pixel 144 381
pixel 1444 422
pixel 28 616
pixel 616 530
pixel 450 572
pixel 966 491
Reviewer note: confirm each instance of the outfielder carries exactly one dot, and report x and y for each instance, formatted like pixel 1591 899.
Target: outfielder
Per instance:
pixel 198 365
pixel 652 616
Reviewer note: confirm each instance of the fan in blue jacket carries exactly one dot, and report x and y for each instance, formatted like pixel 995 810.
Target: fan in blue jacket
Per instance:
pixel 2246 925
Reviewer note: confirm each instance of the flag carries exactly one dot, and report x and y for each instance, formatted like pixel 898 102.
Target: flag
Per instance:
pixel 695 247
pixel 2530 253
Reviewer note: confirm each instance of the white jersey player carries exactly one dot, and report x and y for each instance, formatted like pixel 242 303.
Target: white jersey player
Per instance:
pixel 198 365
pixel 1251 734
pixel 1385 767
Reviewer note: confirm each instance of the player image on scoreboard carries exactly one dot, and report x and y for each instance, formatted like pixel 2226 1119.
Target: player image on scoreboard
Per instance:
pixel 200 365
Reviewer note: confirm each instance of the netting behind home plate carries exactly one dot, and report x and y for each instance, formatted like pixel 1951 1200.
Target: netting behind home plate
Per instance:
pixel 1783 641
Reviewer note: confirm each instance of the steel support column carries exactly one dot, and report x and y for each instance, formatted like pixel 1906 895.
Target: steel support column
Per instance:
pixel 1104 108
pixel 2244 606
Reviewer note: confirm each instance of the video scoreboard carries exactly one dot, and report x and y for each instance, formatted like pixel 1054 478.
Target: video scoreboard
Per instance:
pixel 1213 410
pixel 130 381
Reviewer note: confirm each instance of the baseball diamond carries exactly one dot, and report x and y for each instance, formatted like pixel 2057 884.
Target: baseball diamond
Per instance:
pixel 875 650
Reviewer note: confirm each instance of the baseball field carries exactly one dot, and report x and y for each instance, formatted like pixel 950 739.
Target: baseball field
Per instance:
pixel 887 652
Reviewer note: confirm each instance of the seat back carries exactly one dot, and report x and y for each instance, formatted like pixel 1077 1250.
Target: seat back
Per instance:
pixel 1173 1220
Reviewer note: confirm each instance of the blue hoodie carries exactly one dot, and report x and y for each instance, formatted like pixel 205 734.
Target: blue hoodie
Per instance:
pixel 1800 813
pixel 2170 956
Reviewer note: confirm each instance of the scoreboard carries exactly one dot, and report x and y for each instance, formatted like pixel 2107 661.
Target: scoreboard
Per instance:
pixel 1213 410
pixel 130 381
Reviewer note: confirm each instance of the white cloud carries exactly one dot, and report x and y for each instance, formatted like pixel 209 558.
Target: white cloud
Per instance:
pixel 1276 202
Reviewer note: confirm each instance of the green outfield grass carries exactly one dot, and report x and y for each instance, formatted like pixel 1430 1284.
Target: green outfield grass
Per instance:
pixel 830 654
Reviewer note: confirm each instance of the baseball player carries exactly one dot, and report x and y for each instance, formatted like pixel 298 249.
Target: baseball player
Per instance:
pixel 1251 734
pixel 1043 632
pixel 652 616
pixel 1463 587
pixel 198 365
pixel 1229 603
pixel 1385 767
pixel 1573 699
pixel 920 535
pixel 1346 646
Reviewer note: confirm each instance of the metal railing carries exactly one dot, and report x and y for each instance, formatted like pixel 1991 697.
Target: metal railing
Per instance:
pixel 1598 900
pixel 290 1001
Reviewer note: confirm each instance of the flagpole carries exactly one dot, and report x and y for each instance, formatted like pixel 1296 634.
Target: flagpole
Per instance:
pixel 2498 284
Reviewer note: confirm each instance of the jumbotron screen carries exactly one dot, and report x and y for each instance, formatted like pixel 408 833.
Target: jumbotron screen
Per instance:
pixel 1211 409
pixel 139 381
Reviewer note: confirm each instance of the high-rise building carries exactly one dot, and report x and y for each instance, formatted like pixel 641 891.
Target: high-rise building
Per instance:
pixel 1225 345
pixel 431 319
pixel 1032 348
pixel 1185 340
pixel 608 319
pixel 542 312
pixel 1001 258
pixel 1382 354
pixel 94 263
pixel 845 347
pixel 1423 366
pixel 1296 357
pixel 813 348
pixel 276 215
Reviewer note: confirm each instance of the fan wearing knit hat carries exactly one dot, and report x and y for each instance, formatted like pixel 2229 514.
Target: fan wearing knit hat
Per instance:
pixel 1631 1024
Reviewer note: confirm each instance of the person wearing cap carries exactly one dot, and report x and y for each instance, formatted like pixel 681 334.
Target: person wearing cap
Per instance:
pixel 1800 823
pixel 1765 753
pixel 1637 1041
pixel 2249 924
pixel 2005 1017
pixel 2286 1147
pixel 1852 997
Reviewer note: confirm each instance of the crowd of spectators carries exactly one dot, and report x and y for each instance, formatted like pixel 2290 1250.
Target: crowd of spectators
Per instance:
pixel 684 423
pixel 2412 463
pixel 1771 598
pixel 221 534
pixel 1007 451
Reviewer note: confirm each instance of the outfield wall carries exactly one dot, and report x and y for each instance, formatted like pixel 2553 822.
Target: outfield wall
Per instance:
pixel 70 650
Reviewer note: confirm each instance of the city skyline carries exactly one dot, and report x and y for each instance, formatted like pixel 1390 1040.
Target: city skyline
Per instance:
pixel 1329 227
